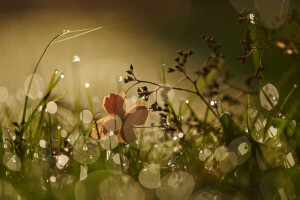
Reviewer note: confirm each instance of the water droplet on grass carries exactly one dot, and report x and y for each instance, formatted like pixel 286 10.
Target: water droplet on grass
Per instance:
pixel 51 107
pixel 52 179
pixel 42 143
pixel 61 161
pixel 272 95
pixel 75 59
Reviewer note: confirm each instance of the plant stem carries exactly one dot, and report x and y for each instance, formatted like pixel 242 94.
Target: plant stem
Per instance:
pixel 34 71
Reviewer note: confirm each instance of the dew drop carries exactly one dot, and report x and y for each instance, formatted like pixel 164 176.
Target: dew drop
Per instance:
pixel 42 143
pixel 85 148
pixel 111 133
pixel 280 44
pixel 61 161
pixel 180 135
pixel 52 179
pixel 51 107
pixel 252 17
pixel 13 137
pixel 120 78
pixel 86 85
pixel 272 94
pixel 75 59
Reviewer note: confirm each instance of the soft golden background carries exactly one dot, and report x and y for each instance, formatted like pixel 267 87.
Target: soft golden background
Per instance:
pixel 27 26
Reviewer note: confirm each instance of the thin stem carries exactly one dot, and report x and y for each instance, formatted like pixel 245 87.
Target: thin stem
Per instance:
pixel 202 98
pixel 178 82
pixel 203 64
pixel 34 71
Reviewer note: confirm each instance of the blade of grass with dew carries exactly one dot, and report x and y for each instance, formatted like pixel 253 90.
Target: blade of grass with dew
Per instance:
pixel 174 115
pixel 58 140
pixel 193 113
pixel 207 110
pixel 88 95
pixel 34 71
pixel 87 135
pixel 169 102
pixel 76 140
pixel 90 129
pixel 267 126
pixel 44 99
pixel 44 103
pixel 50 132
pixel 51 81
pixel 267 98
pixel 230 128
pixel 60 96
pixel 287 97
pixel 180 109
pixel 247 114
